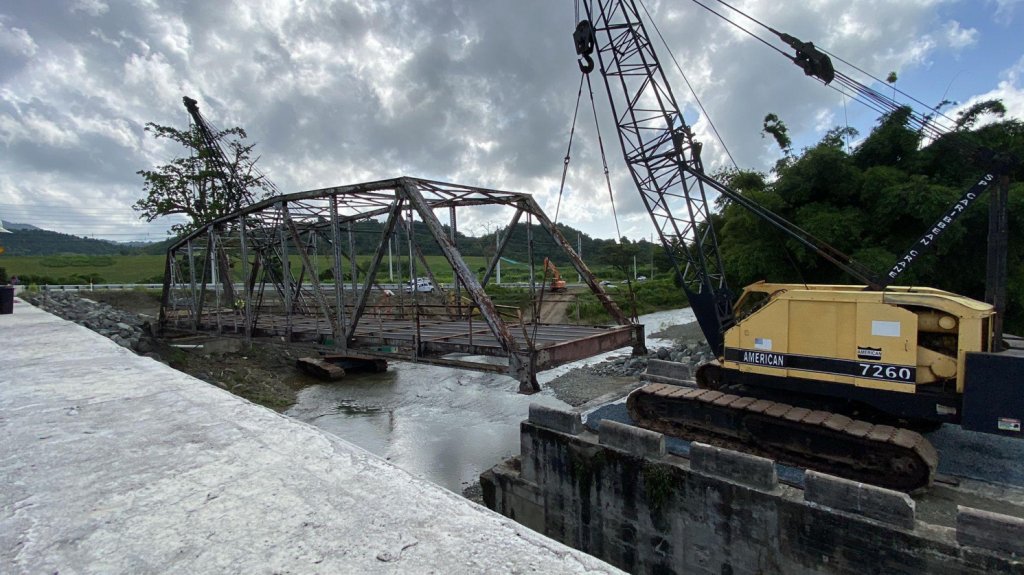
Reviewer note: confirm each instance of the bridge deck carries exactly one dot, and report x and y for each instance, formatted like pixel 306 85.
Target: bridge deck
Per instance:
pixel 430 339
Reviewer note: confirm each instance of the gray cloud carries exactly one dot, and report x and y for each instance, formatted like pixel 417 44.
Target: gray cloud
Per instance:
pixel 473 92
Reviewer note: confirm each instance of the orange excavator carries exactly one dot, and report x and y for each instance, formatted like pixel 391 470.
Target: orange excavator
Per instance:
pixel 557 284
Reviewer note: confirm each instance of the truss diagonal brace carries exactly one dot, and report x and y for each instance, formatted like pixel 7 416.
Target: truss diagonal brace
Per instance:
pixel 501 247
pixel 371 276
pixel 318 293
pixel 520 367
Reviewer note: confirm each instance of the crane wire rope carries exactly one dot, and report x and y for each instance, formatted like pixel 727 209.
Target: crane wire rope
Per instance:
pixel 608 182
pixel 863 93
pixel 696 98
pixel 766 43
pixel 604 162
pixel 558 204
pixel 568 149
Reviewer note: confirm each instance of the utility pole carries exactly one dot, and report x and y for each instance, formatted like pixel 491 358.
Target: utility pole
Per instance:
pixel 579 251
pixel 497 246
pixel 651 277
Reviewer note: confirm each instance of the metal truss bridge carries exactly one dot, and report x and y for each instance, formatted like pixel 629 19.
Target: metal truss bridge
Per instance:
pixel 288 267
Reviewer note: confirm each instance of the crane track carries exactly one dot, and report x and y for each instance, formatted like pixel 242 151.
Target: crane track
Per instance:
pixel 882 455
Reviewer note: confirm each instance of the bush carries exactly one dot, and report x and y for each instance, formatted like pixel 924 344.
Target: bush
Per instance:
pixel 79 261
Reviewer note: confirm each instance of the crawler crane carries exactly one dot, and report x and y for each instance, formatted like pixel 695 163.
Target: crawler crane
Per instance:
pixel 831 377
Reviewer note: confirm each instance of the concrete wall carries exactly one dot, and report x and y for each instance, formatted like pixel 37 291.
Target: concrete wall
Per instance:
pixel 618 496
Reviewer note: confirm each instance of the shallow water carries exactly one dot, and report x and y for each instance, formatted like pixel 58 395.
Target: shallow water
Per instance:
pixel 443 424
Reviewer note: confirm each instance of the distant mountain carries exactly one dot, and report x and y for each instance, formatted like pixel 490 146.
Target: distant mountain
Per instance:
pixel 32 241
pixel 11 226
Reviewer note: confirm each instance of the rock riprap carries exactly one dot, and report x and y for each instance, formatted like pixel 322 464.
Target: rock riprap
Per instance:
pixel 123 328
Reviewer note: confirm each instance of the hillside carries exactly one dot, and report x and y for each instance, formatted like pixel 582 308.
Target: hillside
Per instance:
pixel 11 226
pixel 37 242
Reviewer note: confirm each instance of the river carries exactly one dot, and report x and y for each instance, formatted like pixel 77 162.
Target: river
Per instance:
pixel 442 424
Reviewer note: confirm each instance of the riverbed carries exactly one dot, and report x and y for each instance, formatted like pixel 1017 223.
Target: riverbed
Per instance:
pixel 442 424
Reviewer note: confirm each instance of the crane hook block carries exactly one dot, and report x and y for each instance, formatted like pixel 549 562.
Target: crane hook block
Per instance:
pixel 584 39
pixel 813 61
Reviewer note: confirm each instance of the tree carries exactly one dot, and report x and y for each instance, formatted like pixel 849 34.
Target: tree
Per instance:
pixel 192 185
pixel 620 256
pixel 875 202
pixel 775 128
pixel 966 118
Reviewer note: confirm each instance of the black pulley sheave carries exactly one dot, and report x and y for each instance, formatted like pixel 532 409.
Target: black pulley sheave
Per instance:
pixel 584 39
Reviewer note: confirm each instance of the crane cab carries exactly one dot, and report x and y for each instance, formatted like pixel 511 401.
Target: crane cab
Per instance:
pixel 905 350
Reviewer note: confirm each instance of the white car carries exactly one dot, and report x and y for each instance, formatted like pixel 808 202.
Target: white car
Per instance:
pixel 422 285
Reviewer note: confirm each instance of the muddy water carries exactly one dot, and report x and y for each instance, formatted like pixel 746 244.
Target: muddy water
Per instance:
pixel 442 424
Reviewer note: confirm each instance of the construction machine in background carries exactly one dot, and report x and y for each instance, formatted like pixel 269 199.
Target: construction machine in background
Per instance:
pixel 838 378
pixel 557 284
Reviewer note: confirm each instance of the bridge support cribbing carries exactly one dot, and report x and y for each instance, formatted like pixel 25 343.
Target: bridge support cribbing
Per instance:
pixel 278 268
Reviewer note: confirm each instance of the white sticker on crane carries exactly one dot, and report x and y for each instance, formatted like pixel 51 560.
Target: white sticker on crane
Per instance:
pixel 762 343
pixel 1009 424
pixel 885 328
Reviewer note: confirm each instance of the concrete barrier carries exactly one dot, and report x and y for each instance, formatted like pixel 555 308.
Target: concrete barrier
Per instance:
pixel 742 468
pixel 870 501
pixel 992 531
pixel 634 440
pixel 670 372
pixel 556 419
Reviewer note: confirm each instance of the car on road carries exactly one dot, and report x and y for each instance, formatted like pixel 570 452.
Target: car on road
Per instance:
pixel 422 285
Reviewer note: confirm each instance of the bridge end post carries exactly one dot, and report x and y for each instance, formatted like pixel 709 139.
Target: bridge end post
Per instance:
pixel 525 371
pixel 639 340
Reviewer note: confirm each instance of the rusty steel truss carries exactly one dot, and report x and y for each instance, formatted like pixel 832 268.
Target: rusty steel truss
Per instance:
pixel 262 272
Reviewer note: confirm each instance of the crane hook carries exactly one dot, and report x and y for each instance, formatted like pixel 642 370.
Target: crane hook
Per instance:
pixel 583 37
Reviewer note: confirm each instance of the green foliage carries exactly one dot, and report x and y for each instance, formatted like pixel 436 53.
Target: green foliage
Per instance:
pixel 620 256
pixel 777 129
pixel 966 118
pixel 889 144
pixel 193 184
pixel 508 296
pixel 78 261
pixel 648 296
pixel 659 485
pixel 874 202
pixel 73 279
pixel 120 269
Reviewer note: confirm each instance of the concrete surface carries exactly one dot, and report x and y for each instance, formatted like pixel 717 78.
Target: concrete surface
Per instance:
pixel 114 463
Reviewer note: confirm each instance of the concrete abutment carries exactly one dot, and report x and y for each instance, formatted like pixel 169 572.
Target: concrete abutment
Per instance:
pixel 616 495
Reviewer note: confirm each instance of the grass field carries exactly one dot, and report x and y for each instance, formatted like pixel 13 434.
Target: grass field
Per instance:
pixel 78 269
pixel 111 269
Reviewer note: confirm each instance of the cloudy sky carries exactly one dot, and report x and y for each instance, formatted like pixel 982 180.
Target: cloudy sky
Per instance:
pixel 476 92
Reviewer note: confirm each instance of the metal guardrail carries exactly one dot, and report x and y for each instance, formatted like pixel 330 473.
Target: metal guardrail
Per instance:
pixel 98 287
pixel 115 287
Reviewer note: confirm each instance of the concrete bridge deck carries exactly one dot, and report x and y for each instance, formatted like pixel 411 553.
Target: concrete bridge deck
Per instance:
pixel 115 463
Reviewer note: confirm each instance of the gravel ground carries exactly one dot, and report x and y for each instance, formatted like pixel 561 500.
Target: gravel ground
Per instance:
pixel 619 375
